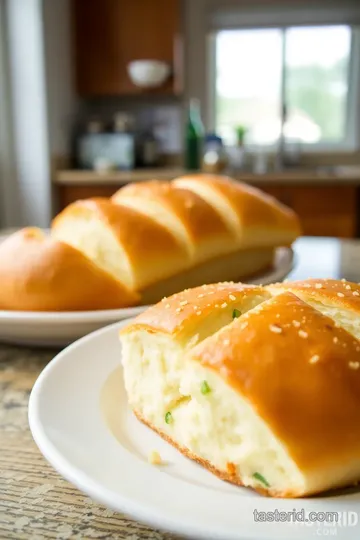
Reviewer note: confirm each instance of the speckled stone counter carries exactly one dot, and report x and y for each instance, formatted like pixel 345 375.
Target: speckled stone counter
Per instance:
pixel 35 502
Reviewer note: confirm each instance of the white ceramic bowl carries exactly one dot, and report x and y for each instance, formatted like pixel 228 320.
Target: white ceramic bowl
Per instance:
pixel 148 73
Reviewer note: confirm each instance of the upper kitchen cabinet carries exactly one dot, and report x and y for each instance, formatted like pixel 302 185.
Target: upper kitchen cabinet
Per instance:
pixel 108 34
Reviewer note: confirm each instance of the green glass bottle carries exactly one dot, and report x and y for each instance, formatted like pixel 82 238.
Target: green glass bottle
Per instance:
pixel 194 137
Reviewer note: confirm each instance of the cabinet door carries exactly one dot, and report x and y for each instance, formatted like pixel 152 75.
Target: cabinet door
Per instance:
pixel 108 34
pixel 69 194
pixel 323 210
pixel 326 210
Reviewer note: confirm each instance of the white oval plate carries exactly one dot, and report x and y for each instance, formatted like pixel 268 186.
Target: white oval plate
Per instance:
pixel 107 460
pixel 59 329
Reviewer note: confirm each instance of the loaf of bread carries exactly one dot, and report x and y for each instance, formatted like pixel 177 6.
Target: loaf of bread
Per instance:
pixel 38 273
pixel 161 237
pixel 148 241
pixel 261 385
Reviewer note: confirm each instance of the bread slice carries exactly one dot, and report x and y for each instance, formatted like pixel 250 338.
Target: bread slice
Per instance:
pixel 262 389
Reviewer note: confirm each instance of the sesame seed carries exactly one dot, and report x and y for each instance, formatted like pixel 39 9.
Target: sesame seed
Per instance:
pixel 341 294
pixel 216 305
pixel 199 312
pixel 232 297
pixel 336 340
pixel 355 293
pixel 314 359
pixel 343 279
pixel 167 306
pixel 223 305
pixel 275 329
pixel 348 287
pixel 201 295
pixel 183 303
pixel 318 286
pixel 178 310
pixel 307 285
pixel 303 334
pixel 296 324
pixel 354 365
pixel 226 342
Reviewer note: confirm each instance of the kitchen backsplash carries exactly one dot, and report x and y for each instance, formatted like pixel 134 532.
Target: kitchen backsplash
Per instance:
pixel 164 118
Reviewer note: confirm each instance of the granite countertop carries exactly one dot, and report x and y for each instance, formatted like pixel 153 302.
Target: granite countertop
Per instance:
pixel 349 175
pixel 35 502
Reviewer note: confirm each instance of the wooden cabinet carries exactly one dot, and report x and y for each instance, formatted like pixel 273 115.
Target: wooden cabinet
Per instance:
pixel 323 210
pixel 69 194
pixel 108 34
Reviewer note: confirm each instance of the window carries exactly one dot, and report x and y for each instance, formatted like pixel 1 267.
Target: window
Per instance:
pixel 300 77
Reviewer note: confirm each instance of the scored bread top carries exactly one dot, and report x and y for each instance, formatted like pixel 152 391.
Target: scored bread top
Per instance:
pixel 38 273
pixel 300 371
pixel 147 251
pixel 248 211
pixel 332 292
pixel 195 223
pixel 139 234
pixel 200 310
pixel 298 367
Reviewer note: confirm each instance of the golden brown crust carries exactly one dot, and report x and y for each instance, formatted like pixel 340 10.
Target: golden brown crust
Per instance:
pixel 252 206
pixel 301 373
pixel 38 273
pixel 296 367
pixel 343 294
pixel 200 220
pixel 193 305
pixel 141 237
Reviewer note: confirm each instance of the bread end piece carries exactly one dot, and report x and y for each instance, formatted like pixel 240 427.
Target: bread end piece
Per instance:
pixel 38 273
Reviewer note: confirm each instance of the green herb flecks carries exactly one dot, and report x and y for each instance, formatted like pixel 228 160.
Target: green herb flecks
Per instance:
pixel 168 418
pixel 205 388
pixel 236 313
pixel 261 479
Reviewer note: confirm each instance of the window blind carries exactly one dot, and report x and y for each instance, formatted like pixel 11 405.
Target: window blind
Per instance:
pixel 260 14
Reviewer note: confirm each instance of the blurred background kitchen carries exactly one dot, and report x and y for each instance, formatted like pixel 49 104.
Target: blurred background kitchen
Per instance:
pixel 98 93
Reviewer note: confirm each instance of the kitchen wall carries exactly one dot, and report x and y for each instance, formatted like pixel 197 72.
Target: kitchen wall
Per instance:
pixel 38 105
pixel 170 113
pixel 27 107
pixel 62 102
pixel 65 109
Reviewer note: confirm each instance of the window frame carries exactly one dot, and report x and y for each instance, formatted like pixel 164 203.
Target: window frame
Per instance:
pixel 351 142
